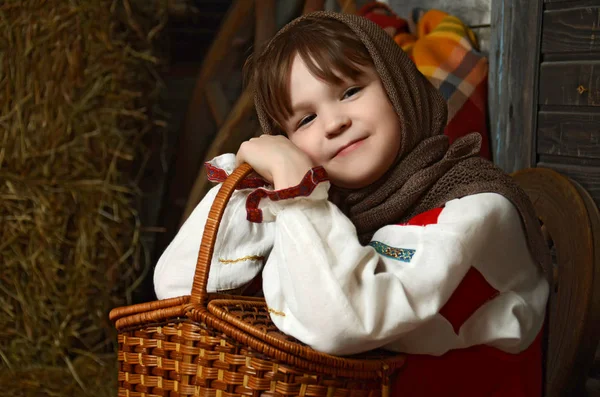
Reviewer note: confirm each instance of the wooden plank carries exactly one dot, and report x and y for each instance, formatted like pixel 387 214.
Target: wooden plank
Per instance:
pixel 570 83
pixel 193 132
pixel 220 47
pixel 237 128
pixel 586 176
pixel 230 72
pixel 571 30
pixel 198 128
pixel 570 56
pixel 217 102
pixel 471 12
pixel 569 134
pixel 264 15
pixel 514 59
pixel 231 135
pixel 181 180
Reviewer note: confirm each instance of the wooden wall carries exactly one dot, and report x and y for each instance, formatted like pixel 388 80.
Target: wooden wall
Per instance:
pixel 545 93
pixel 567 128
pixel 568 116
pixel 546 87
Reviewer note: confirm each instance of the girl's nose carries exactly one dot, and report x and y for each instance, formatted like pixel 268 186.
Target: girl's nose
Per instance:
pixel 337 125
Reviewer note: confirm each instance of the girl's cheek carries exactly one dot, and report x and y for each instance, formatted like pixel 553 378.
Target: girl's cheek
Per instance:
pixel 310 151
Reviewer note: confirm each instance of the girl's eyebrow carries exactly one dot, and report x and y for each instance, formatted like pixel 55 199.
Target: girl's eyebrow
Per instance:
pixel 346 83
pixel 299 106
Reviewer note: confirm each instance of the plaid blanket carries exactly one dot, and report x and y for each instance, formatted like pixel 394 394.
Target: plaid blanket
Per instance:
pixel 445 50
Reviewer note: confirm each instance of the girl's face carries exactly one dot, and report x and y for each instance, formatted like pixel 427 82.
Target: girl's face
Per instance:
pixel 351 129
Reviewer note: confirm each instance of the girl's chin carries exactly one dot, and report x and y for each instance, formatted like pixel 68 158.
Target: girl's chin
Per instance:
pixel 353 181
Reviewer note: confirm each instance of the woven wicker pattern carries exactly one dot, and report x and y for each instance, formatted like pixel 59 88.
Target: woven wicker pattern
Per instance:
pixel 190 360
pixel 255 315
pixel 223 345
pixel 254 318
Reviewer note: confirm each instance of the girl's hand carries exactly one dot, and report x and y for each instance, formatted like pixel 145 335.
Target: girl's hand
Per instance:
pixel 276 159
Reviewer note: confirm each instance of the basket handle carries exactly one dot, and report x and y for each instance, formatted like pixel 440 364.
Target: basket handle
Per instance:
pixel 199 294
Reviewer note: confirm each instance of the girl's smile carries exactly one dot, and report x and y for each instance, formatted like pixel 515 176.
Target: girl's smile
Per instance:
pixel 350 147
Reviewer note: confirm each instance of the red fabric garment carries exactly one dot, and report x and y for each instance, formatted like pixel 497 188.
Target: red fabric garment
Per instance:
pixel 471 117
pixel 478 371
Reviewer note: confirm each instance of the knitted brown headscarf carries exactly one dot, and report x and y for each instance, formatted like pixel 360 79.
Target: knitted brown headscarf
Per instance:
pixel 429 171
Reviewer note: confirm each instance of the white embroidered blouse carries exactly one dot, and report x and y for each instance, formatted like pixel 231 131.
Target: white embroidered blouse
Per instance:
pixel 450 278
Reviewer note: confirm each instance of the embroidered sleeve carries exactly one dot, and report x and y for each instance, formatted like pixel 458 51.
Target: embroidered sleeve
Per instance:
pixel 219 168
pixel 240 249
pixel 341 297
pixel 312 187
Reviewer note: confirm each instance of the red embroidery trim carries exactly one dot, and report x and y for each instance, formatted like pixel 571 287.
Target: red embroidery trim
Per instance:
pixel 312 178
pixel 218 175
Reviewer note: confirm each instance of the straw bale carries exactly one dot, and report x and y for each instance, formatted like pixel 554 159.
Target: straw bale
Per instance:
pixel 78 91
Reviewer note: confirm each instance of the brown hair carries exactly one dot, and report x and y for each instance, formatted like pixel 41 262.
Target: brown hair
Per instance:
pixel 327 46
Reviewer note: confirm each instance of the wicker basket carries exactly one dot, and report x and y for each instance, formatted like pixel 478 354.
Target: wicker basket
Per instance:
pixel 224 345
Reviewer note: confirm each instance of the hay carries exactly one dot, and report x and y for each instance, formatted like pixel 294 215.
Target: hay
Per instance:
pixel 78 90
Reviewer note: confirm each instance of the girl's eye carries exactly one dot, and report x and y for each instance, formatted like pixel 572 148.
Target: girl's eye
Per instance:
pixel 306 120
pixel 351 91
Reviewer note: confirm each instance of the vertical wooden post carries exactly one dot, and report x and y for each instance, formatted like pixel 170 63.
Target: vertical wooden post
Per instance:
pixel 265 22
pixel 513 81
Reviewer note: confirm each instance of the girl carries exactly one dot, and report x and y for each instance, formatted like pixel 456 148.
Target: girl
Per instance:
pixel 375 232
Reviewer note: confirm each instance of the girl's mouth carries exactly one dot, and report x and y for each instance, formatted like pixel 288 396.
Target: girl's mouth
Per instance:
pixel 350 147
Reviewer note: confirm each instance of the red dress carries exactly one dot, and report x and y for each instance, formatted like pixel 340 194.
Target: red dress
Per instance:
pixel 478 371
